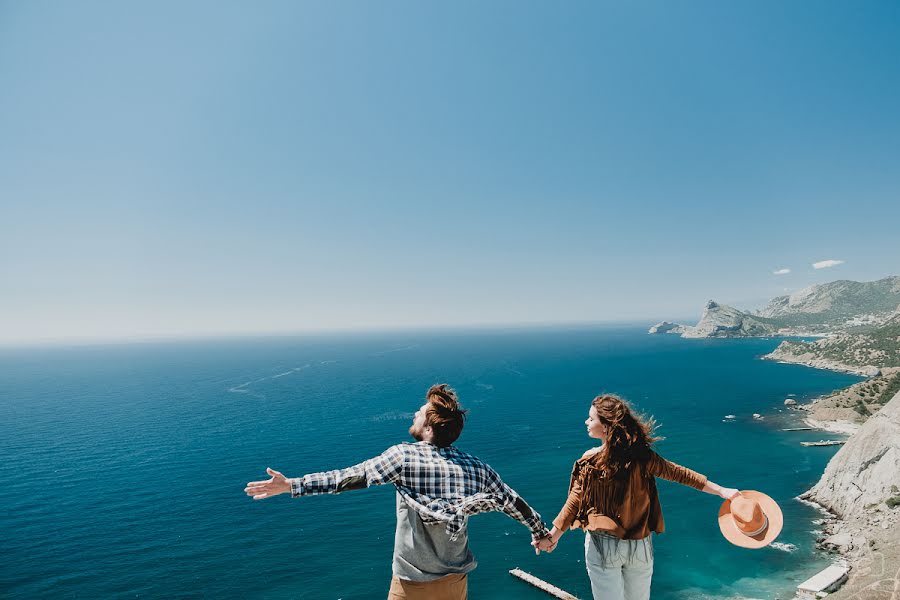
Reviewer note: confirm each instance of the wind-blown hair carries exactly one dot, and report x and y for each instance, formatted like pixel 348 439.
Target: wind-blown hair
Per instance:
pixel 629 435
pixel 444 414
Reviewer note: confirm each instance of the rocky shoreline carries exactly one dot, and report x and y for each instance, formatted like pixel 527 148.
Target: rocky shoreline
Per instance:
pixel 858 493
pixel 810 360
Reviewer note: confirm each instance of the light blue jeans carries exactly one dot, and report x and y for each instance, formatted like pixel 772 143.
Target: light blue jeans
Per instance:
pixel 619 569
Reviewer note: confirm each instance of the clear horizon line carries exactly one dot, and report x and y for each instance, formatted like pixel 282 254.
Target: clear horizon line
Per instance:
pixel 264 333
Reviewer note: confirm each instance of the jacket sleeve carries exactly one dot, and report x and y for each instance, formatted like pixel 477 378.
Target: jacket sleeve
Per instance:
pixel 384 468
pixel 566 516
pixel 660 467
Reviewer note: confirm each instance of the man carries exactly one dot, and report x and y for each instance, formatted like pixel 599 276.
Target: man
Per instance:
pixel 438 488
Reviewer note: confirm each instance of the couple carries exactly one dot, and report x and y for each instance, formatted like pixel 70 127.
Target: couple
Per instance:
pixel 612 496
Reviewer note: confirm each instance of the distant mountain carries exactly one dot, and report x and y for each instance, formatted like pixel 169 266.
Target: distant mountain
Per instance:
pixel 828 308
pixel 836 303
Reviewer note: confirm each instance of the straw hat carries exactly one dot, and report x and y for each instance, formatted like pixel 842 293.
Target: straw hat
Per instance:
pixel 750 520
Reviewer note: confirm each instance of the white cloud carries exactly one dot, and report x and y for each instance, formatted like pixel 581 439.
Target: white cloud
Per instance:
pixel 824 264
pixel 781 272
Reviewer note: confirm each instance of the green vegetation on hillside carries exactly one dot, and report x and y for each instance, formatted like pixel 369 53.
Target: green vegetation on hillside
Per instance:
pixel 879 347
pixel 890 390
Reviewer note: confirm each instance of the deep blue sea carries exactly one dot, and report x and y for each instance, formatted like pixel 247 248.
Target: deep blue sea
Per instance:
pixel 122 467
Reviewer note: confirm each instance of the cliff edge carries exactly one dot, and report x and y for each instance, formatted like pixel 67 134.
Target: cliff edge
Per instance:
pixel 863 472
pixel 860 487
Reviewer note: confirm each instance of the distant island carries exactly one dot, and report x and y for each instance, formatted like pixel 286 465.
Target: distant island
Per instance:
pixel 859 323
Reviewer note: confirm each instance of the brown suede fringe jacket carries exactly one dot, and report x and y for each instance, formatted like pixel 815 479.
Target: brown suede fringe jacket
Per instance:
pixel 626 506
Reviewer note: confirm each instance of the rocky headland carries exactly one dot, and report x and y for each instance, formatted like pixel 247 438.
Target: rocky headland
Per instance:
pixel 720 320
pixel 667 327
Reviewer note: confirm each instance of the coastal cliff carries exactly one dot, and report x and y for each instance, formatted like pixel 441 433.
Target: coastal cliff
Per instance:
pixel 860 489
pixel 719 320
pixel 863 471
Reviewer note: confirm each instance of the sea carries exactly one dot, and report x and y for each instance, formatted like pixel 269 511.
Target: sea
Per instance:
pixel 122 466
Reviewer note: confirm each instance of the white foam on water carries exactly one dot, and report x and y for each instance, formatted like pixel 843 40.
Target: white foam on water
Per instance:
pixel 243 388
pixel 393 415
pixel 392 350
pixel 783 546
pixel 814 505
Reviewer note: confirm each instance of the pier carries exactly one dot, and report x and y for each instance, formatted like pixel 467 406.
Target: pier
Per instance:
pixel 541 584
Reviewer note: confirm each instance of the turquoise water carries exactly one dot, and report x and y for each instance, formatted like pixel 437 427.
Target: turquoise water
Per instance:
pixel 123 467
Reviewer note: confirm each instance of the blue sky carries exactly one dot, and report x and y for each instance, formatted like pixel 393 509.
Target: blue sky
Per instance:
pixel 193 168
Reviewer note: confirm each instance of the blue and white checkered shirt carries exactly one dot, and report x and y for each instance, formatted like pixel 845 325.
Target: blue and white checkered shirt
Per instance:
pixel 443 485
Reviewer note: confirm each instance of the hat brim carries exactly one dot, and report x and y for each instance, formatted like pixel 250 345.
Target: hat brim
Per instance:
pixel 734 535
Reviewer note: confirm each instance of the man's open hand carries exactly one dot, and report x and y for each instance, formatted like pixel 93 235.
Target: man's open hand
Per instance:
pixel 270 487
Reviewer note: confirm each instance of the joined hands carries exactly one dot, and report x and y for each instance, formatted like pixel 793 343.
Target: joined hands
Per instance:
pixel 545 544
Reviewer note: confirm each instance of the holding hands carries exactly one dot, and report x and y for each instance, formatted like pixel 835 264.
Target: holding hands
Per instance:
pixel 545 544
pixel 548 542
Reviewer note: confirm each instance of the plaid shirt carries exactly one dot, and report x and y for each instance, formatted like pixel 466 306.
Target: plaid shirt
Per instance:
pixel 443 485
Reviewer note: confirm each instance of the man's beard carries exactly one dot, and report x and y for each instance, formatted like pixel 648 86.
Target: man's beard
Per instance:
pixel 415 433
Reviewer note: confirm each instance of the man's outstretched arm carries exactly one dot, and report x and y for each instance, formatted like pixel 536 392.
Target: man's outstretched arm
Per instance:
pixel 385 468
pixel 515 506
pixel 519 510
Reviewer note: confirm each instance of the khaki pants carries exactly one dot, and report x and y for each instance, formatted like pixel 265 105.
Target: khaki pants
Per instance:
pixel 451 587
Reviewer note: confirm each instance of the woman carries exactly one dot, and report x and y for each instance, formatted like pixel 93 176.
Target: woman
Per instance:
pixel 612 496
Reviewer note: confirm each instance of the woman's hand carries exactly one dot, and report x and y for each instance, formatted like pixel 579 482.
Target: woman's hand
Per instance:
pixel 718 490
pixel 729 493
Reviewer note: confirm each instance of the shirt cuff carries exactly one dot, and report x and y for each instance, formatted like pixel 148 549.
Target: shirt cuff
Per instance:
pixel 539 532
pixel 296 487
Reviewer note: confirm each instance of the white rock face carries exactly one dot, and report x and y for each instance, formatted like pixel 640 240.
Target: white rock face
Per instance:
pixel 863 471
pixel 666 327
pixel 790 402
pixel 719 320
